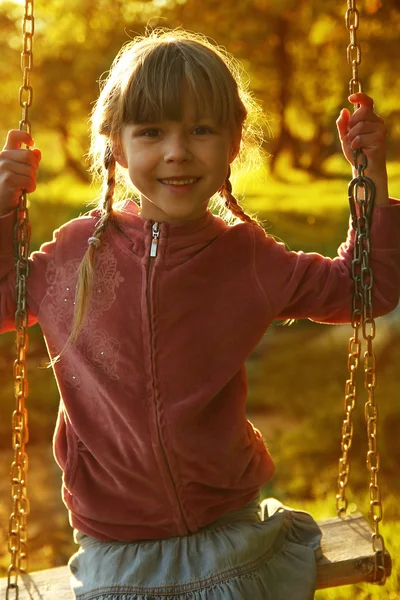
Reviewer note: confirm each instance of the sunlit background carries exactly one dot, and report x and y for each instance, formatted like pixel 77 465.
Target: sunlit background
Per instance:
pixel 294 52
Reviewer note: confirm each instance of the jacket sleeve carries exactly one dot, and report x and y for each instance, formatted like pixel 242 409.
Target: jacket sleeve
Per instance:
pixel 37 285
pixel 307 285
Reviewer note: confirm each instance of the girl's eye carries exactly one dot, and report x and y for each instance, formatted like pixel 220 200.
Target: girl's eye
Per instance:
pixel 202 130
pixel 150 132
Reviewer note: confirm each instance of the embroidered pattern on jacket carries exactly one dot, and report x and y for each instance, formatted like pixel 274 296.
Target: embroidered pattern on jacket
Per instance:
pixel 62 282
pixel 96 345
pixel 103 351
pixel 69 375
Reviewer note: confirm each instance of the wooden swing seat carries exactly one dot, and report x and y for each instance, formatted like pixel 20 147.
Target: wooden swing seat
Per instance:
pixel 347 558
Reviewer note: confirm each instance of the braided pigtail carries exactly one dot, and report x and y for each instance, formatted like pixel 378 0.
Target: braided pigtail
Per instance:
pixel 232 204
pixel 86 268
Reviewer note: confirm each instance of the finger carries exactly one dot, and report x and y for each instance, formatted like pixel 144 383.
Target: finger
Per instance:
pixel 13 182
pixel 18 167
pixel 17 160
pixel 22 156
pixel 365 108
pixel 38 155
pixel 16 176
pixel 16 138
pixel 342 123
pixel 361 98
pixel 367 127
pixel 23 182
pixel 364 114
pixel 368 141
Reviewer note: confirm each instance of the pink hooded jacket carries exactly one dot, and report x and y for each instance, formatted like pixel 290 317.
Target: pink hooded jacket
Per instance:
pixel 152 436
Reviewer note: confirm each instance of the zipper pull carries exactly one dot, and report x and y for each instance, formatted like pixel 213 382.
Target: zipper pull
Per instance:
pixel 154 242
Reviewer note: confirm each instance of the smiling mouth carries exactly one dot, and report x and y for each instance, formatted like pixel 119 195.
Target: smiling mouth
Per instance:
pixel 180 181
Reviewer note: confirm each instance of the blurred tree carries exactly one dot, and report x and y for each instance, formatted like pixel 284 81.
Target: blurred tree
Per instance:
pixel 294 51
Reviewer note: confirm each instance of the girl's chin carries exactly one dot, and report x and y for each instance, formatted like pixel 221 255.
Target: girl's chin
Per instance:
pixel 171 212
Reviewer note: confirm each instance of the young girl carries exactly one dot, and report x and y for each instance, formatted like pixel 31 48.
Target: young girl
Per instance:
pixel 150 310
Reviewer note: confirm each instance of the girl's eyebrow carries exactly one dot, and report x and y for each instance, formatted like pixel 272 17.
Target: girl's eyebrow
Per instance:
pixel 146 124
pixel 192 119
pixel 201 115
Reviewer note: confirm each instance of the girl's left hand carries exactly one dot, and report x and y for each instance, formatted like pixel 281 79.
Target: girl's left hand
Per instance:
pixel 365 129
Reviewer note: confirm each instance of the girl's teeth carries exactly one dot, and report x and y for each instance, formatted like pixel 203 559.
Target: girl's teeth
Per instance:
pixel 180 182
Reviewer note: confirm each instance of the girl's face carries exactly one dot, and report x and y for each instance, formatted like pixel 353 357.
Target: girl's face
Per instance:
pixel 177 165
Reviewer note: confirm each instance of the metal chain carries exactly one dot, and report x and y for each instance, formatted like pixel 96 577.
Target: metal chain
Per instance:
pixel 353 49
pixel 361 195
pixel 17 538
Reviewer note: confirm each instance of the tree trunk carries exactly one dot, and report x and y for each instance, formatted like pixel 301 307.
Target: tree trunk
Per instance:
pixel 320 151
pixel 71 163
pixel 285 139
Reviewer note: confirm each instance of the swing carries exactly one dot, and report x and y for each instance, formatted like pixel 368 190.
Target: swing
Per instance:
pixel 347 555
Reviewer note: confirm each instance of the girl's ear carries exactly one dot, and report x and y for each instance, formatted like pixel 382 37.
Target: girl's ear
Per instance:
pixel 121 160
pixel 234 152
pixel 235 146
pixel 119 156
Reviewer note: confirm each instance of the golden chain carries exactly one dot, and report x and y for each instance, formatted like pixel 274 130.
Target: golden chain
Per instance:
pixel 353 49
pixel 17 540
pixel 362 318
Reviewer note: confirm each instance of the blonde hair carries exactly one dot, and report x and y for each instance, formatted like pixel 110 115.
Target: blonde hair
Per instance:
pixel 143 85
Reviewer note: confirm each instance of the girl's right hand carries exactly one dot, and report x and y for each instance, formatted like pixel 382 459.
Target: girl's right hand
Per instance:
pixel 18 169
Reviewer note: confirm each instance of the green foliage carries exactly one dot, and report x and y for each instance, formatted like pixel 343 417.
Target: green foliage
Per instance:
pixel 294 53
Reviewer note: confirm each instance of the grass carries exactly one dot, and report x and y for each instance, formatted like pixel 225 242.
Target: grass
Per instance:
pixel 299 192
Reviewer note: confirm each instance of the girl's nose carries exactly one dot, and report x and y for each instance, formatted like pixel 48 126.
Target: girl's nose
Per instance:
pixel 177 149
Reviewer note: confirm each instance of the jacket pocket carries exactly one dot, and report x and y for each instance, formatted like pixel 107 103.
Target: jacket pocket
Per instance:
pixel 65 448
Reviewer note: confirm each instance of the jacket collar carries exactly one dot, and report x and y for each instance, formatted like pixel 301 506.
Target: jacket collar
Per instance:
pixel 177 242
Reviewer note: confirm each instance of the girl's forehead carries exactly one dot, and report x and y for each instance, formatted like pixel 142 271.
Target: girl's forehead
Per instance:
pixel 176 99
pixel 192 109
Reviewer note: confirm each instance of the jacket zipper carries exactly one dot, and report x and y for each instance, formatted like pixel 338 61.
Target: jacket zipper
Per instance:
pixel 155 235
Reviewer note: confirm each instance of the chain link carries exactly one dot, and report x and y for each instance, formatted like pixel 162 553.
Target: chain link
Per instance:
pixel 17 533
pixel 361 197
pixel 353 49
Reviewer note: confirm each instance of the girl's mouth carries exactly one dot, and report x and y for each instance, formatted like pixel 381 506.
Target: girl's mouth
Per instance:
pixel 181 185
pixel 179 182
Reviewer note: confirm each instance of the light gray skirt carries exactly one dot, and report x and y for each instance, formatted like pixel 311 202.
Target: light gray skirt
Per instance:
pixel 262 552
